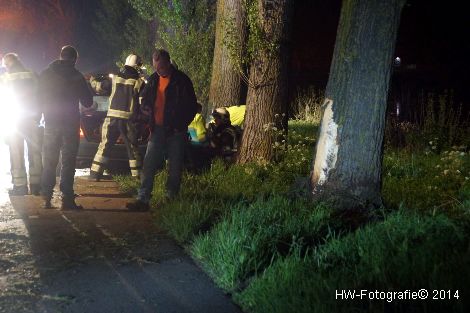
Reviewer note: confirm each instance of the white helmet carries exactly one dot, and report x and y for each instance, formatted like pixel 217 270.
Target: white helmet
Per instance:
pixel 133 60
pixel 221 113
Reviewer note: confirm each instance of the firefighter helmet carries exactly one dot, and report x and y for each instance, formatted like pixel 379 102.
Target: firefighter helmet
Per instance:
pixel 221 113
pixel 133 60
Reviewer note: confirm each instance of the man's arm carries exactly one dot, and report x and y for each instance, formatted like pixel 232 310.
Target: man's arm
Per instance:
pixel 85 94
pixel 191 101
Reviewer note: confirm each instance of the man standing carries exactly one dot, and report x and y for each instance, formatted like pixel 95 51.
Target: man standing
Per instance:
pixel 121 118
pixel 169 96
pixel 22 84
pixel 61 87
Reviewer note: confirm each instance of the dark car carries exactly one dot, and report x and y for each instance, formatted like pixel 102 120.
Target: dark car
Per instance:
pixel 91 122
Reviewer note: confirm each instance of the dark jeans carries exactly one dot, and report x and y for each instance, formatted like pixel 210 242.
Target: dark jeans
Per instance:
pixel 59 141
pixel 159 146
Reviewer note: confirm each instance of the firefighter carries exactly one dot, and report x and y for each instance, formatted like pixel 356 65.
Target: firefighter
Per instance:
pixel 121 118
pixel 222 135
pixel 23 84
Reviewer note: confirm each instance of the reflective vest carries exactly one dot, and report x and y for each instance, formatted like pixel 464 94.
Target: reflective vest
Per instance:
pixel 197 129
pixel 237 114
pixel 124 99
pixel 24 86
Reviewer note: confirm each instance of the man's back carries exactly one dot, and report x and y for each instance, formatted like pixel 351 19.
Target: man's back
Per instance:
pixel 61 87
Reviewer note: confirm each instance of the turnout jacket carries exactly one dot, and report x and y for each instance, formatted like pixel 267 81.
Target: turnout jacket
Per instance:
pixel 180 101
pixel 61 88
pixel 124 99
pixel 23 84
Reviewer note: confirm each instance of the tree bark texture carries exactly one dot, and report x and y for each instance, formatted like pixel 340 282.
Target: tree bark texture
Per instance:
pixel 226 82
pixel 267 89
pixel 348 157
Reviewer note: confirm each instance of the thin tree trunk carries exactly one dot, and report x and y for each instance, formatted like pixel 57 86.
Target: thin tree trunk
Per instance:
pixel 226 82
pixel 267 90
pixel 348 157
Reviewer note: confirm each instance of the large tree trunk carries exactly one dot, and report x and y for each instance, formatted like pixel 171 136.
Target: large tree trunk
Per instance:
pixel 348 157
pixel 267 89
pixel 226 82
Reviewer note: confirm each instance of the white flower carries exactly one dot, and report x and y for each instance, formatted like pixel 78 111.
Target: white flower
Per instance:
pixel 445 172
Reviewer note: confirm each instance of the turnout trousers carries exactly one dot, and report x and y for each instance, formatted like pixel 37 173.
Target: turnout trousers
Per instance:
pixel 59 141
pixel 30 133
pixel 111 130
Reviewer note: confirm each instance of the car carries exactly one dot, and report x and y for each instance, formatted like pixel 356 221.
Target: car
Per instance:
pixel 91 122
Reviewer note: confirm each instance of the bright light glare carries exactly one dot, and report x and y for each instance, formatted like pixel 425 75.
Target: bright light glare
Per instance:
pixel 8 122
pixel 111 75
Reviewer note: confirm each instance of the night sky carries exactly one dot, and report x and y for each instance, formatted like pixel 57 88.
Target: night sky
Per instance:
pixel 37 34
pixel 432 41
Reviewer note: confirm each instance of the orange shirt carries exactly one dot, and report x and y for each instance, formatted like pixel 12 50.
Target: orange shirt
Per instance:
pixel 160 100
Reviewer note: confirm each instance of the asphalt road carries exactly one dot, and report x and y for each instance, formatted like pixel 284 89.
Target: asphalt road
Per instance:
pixel 101 259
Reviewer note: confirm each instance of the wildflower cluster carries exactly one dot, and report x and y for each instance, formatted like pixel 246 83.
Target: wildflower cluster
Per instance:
pixel 433 146
pixel 453 163
pixel 292 150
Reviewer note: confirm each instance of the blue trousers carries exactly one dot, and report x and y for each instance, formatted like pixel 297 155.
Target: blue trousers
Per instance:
pixel 161 146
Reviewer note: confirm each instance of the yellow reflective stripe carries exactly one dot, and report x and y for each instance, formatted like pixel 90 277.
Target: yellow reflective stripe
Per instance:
pixel 100 159
pixel 137 85
pixel 99 153
pixel 135 173
pixel 7 77
pixel 96 168
pixel 120 80
pixel 134 163
pixel 119 114
pixel 18 177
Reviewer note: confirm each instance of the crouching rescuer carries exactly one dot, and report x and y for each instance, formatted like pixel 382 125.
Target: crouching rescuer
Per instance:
pixel 121 119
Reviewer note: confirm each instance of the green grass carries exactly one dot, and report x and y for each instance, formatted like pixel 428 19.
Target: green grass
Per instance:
pixel 407 251
pixel 425 181
pixel 278 253
pixel 249 238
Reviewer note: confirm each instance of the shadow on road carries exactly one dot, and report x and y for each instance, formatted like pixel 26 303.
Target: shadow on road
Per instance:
pixel 101 259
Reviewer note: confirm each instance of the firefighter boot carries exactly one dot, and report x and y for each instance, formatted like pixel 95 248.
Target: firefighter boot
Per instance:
pixel 18 191
pixel 35 189
pixel 138 206
pixel 47 203
pixel 95 176
pixel 68 204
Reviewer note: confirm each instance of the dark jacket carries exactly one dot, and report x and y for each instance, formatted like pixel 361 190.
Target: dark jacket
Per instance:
pixel 180 101
pixel 61 87
pixel 124 99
